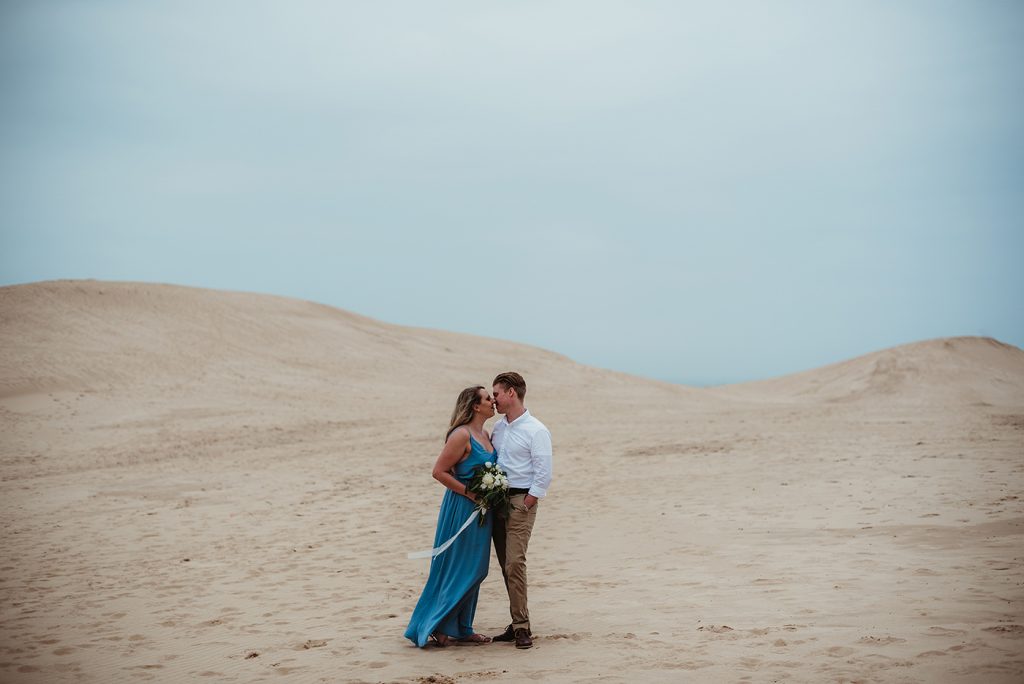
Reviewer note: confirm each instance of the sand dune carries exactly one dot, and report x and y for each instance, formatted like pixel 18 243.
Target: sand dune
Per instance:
pixel 223 486
pixel 951 371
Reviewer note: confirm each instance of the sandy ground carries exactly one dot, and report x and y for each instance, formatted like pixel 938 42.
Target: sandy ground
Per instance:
pixel 202 485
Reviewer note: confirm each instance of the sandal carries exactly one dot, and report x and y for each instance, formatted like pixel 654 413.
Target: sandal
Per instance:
pixel 440 640
pixel 475 639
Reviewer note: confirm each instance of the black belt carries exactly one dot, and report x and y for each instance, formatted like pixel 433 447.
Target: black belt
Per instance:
pixel 512 491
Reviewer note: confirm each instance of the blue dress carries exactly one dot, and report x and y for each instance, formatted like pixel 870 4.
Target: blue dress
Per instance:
pixel 448 601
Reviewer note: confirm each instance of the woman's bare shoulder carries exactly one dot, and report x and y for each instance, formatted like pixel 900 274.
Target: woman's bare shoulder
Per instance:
pixel 459 435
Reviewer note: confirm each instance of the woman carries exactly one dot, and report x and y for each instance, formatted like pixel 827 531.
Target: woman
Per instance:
pixel 447 605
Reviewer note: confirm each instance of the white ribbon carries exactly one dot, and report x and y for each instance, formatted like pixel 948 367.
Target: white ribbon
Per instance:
pixel 444 547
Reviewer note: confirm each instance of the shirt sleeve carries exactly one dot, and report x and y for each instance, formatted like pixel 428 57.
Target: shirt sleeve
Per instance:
pixel 540 456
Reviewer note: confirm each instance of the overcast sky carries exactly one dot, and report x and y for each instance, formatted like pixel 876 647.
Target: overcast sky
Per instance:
pixel 697 192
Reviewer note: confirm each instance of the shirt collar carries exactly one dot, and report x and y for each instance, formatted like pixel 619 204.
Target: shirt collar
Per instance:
pixel 526 412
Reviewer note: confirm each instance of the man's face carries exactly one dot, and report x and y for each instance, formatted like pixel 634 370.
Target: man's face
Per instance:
pixel 502 397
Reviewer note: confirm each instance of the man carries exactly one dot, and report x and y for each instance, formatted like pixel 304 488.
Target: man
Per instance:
pixel 524 452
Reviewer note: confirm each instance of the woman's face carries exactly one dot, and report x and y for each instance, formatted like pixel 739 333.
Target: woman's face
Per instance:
pixel 486 403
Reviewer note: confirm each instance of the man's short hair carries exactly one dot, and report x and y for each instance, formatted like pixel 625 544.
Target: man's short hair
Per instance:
pixel 513 380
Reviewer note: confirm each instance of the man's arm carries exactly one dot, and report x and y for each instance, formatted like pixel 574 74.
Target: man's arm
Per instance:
pixel 540 456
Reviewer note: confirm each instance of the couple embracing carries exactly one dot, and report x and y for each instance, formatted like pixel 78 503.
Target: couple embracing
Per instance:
pixel 521 447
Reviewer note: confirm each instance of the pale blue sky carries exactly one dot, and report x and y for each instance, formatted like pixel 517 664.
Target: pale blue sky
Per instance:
pixel 697 192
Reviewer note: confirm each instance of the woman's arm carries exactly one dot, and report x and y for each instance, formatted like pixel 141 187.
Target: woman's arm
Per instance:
pixel 454 451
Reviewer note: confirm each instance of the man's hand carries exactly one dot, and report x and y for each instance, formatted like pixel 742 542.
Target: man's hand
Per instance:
pixel 529 501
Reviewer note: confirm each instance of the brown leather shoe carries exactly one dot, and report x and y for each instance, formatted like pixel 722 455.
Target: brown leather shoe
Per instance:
pixel 523 639
pixel 508 635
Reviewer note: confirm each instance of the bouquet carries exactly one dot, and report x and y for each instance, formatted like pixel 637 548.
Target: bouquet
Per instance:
pixel 490 484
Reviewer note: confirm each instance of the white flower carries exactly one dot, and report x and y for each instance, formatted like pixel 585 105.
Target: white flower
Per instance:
pixel 488 480
pixel 487 464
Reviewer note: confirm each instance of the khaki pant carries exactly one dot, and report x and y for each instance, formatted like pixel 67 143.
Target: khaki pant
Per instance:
pixel 511 537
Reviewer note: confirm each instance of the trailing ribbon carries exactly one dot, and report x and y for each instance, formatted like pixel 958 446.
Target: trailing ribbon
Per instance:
pixel 444 547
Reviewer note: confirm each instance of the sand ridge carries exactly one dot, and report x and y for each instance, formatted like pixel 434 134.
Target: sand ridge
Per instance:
pixel 950 372
pixel 206 485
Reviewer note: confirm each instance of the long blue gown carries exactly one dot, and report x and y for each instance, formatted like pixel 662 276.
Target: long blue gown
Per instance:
pixel 448 602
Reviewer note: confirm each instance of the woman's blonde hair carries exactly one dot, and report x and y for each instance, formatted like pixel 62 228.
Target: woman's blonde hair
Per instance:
pixel 464 405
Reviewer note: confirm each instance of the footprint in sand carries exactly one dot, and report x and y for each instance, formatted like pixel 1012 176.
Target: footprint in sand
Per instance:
pixel 944 631
pixel 717 629
pixel 881 641
pixel 966 648
pixel 573 637
pixel 287 670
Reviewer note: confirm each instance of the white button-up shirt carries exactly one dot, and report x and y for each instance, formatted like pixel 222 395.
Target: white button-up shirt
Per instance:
pixel 524 453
